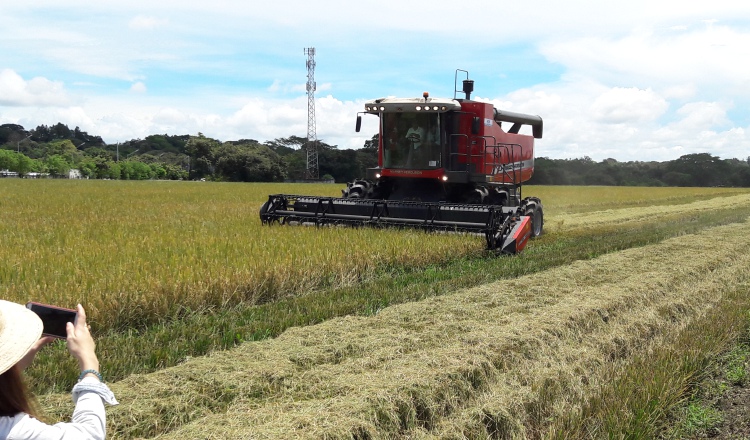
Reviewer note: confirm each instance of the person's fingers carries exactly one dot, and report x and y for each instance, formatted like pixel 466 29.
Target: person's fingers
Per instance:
pixel 81 322
pixel 70 330
pixel 43 341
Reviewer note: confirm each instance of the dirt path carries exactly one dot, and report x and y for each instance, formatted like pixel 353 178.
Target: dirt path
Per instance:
pixel 735 407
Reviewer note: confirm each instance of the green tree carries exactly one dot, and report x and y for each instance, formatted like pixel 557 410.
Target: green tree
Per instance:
pixel 64 148
pixel 200 148
pixel 250 162
pixel 57 166
pixel 27 165
pixel 8 160
pixel 705 169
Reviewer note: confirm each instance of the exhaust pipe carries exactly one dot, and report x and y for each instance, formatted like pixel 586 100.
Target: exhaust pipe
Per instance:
pixel 468 88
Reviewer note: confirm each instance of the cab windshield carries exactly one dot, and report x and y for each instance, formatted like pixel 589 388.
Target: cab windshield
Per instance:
pixel 411 141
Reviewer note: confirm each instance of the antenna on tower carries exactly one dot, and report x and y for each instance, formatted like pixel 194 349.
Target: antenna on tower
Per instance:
pixel 312 172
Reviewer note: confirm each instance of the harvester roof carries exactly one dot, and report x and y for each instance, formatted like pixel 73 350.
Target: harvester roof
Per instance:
pixel 409 105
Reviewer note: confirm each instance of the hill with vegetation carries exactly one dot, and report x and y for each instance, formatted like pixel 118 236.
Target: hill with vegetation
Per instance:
pixel 57 149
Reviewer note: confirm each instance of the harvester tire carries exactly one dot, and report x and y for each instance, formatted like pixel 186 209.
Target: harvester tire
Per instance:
pixel 533 209
pixel 358 189
pixel 537 223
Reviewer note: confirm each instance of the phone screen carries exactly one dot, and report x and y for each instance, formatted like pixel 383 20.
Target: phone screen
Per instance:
pixel 53 318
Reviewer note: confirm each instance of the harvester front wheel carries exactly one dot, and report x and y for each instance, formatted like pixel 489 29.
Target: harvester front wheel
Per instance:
pixel 359 189
pixel 533 209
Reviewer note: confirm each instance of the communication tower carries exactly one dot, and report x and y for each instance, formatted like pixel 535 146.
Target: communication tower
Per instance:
pixel 312 172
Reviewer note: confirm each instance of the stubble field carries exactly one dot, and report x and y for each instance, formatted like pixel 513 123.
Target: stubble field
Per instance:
pixel 212 326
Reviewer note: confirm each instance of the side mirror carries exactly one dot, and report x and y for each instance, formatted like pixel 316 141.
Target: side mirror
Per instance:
pixel 359 123
pixel 475 124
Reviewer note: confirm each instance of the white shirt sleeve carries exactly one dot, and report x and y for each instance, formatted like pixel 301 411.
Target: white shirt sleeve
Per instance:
pixel 88 422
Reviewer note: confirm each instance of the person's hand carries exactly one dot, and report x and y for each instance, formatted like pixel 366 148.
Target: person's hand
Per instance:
pixel 26 360
pixel 80 343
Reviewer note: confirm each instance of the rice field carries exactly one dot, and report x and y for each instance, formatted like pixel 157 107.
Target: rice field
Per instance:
pixel 595 331
pixel 140 253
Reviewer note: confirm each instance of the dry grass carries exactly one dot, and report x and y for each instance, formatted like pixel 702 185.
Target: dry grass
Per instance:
pixel 502 359
pixel 637 214
pixel 565 200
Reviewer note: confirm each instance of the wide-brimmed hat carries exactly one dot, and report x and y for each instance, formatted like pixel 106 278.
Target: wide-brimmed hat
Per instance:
pixel 20 328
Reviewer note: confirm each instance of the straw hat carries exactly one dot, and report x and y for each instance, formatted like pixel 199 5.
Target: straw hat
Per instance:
pixel 20 328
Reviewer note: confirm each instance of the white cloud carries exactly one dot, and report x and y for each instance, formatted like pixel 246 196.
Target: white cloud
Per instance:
pixel 146 22
pixel 702 115
pixel 38 91
pixel 636 81
pixel 707 57
pixel 138 87
pixel 628 106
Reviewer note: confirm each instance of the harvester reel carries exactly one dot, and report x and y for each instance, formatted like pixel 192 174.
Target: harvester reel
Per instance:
pixel 272 205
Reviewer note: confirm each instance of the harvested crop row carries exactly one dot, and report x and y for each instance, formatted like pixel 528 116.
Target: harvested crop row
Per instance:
pixel 624 215
pixel 503 356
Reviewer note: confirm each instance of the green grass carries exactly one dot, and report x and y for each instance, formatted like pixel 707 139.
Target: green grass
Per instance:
pixel 700 416
pixel 641 395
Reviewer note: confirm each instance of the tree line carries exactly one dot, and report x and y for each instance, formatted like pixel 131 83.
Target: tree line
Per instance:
pixel 57 149
pixel 699 170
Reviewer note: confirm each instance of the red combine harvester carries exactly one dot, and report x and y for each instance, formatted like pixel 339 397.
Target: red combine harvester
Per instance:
pixel 443 164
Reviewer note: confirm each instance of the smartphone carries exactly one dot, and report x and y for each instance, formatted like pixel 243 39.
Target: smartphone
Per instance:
pixel 54 318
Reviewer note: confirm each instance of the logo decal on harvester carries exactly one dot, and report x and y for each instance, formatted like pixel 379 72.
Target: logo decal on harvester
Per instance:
pixel 510 167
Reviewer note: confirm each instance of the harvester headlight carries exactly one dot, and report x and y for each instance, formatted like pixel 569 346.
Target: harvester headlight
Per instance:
pixel 382 108
pixel 377 175
pixel 419 107
pixel 435 108
pixel 445 178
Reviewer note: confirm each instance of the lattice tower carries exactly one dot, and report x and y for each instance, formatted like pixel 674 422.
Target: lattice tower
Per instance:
pixel 312 171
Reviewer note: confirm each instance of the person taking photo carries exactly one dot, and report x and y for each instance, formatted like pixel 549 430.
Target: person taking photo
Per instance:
pixel 20 332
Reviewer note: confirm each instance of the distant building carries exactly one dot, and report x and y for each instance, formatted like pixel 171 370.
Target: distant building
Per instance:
pixel 6 173
pixel 75 174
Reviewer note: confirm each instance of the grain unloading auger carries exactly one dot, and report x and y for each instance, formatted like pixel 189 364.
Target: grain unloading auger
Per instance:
pixel 444 165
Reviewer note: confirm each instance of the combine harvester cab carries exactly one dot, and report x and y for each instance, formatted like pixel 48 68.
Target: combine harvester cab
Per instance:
pixel 443 164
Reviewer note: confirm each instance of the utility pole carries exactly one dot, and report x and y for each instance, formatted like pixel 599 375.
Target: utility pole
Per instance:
pixel 18 143
pixel 312 172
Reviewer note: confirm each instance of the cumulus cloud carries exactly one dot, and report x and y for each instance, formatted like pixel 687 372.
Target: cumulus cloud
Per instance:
pixel 706 56
pixel 635 81
pixel 39 91
pixel 628 105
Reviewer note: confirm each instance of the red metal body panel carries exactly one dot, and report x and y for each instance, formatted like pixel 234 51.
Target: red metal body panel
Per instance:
pixel 522 233
pixel 507 157
pixel 426 174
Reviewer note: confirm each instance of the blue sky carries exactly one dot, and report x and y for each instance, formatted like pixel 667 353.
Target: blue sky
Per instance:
pixel 640 80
